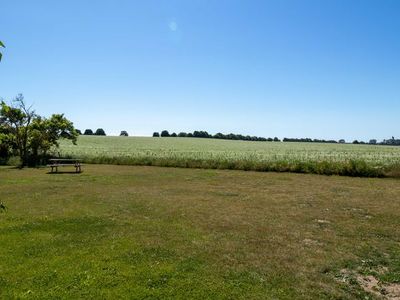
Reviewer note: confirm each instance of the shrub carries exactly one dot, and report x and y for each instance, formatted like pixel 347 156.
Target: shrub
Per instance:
pixel 165 133
pixel 100 131
pixel 78 131
pixel 88 132
pixel 156 134
pixel 123 133
pixel 173 134
pixel 182 134
pixel 15 161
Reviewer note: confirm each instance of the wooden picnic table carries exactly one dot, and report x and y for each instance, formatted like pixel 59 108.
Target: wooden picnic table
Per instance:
pixel 63 162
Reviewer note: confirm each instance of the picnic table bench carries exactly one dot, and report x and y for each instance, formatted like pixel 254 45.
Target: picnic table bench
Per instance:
pixel 63 162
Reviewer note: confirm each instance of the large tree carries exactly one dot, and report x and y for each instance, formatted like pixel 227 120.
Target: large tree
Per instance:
pixel 28 135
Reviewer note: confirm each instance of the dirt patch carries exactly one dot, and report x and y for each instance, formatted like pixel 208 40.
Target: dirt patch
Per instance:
pixel 311 242
pixel 369 284
pixel 372 285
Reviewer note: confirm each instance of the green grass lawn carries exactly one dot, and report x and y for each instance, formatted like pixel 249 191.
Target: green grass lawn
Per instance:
pixel 165 233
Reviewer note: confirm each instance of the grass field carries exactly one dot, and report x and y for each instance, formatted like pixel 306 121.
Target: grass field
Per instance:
pixel 339 159
pixel 166 233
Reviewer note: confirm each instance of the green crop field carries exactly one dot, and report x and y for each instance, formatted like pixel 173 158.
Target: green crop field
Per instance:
pixel 341 159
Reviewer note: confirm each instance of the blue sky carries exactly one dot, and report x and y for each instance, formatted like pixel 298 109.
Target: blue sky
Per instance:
pixel 312 68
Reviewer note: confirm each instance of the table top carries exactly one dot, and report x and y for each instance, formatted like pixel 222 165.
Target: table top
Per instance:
pixel 64 159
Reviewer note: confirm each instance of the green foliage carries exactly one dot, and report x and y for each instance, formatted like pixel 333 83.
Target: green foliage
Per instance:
pixel 88 132
pixel 1 46
pixel 182 134
pixel 15 161
pixel 156 134
pixel 25 134
pixel 165 133
pixel 100 131
pixel 124 133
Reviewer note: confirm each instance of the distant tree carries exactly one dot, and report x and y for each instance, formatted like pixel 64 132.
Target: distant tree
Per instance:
pixel 342 141
pixel 88 132
pixel 392 141
pixel 1 46
pixel 123 133
pixel 373 142
pixel 356 142
pixel 231 136
pixel 182 134
pixel 173 134
pixel 156 134
pixel 165 133
pixel 100 131
pixel 219 135
pixel 78 131
pixel 190 134
pixel 201 134
pixel 276 139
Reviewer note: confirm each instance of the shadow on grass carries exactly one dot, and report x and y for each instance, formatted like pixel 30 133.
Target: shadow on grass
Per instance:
pixel 64 172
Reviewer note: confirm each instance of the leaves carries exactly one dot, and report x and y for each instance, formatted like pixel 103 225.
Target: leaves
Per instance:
pixel 30 135
pixel 2 46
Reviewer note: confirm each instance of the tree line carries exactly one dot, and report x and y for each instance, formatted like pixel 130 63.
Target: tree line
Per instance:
pixel 205 134
pixel 232 136
pixel 99 131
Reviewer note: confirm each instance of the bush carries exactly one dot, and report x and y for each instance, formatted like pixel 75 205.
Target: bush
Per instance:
pixel 156 134
pixel 173 134
pixel 123 133
pixel 182 134
pixel 15 161
pixel 165 133
pixel 88 132
pixel 100 131
pixel 78 131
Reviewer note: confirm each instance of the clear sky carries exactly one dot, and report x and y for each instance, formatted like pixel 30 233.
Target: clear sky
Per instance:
pixel 319 69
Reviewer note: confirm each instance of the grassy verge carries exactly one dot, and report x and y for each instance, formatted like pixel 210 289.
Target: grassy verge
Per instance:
pixel 168 233
pixel 354 168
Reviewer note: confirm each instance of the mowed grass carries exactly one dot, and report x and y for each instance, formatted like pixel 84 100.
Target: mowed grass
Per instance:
pixel 328 159
pixel 166 233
